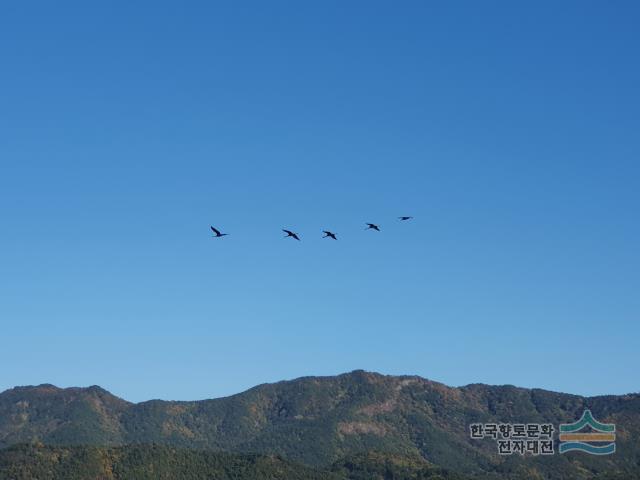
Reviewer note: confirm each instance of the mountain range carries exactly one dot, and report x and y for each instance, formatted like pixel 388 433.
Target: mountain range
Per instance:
pixel 312 427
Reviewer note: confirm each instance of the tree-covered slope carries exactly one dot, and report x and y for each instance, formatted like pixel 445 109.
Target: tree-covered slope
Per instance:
pixel 321 420
pixel 142 462
pixel 158 462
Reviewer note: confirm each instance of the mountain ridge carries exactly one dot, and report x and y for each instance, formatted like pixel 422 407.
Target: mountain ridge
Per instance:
pixel 318 420
pixel 418 377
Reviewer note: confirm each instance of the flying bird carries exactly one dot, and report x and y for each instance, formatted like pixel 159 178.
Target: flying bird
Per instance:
pixel 289 233
pixel 217 234
pixel 327 233
pixel 372 226
pixel 405 218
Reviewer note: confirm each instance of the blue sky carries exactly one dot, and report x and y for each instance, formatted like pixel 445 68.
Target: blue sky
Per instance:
pixel 509 131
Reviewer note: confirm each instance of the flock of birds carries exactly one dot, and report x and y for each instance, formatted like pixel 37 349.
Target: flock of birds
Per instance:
pixel 327 234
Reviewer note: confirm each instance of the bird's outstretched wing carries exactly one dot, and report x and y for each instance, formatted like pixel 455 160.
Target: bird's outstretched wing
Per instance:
pixel 217 232
pixel 291 234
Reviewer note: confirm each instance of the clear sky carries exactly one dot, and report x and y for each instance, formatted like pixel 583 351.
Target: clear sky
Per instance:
pixel 509 130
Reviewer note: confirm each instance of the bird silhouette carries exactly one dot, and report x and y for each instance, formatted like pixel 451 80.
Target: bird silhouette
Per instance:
pixel 217 234
pixel 329 234
pixel 289 233
pixel 372 226
pixel 405 218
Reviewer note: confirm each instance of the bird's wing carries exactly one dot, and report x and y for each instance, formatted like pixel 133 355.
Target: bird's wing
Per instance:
pixel 295 236
pixel 217 232
pixel 288 232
